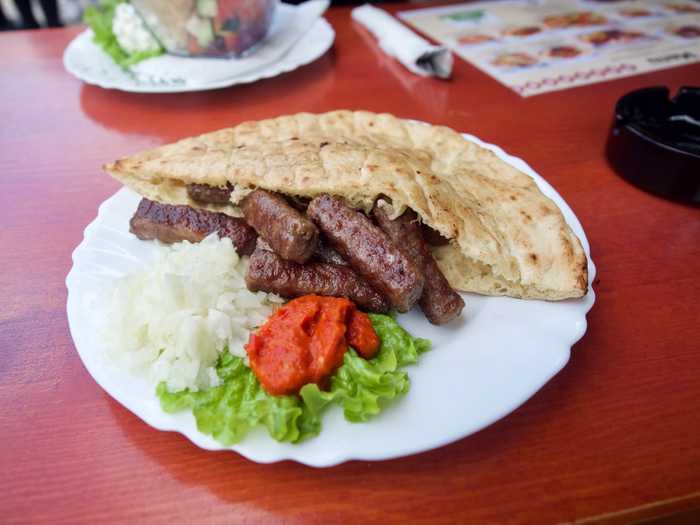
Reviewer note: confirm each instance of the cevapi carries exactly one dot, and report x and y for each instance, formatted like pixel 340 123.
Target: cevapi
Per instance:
pixel 505 236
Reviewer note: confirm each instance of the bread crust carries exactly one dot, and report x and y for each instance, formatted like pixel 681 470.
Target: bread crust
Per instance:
pixel 507 238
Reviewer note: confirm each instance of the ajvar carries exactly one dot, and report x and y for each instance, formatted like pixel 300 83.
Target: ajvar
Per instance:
pixel 305 340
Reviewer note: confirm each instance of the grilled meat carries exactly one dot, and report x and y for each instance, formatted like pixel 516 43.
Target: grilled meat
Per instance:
pixel 291 235
pixel 268 272
pixel 439 302
pixel 369 251
pixel 210 194
pixel 169 223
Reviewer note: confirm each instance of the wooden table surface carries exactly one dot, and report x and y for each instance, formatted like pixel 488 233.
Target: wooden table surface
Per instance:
pixel 613 438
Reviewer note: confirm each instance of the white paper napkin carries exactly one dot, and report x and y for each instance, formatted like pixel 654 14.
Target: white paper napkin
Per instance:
pixel 414 52
pixel 289 24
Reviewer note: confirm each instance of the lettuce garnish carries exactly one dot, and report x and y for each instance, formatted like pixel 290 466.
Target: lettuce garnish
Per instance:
pixel 362 387
pixel 228 411
pixel 100 18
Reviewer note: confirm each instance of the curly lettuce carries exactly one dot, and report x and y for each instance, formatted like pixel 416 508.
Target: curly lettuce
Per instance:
pixel 361 387
pixel 229 411
pixel 100 19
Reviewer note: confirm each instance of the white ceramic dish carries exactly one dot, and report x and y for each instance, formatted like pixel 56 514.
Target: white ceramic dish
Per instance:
pixel 85 60
pixel 479 370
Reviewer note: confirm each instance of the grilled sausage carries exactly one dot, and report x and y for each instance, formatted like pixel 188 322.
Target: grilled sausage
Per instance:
pixel 210 194
pixel 433 237
pixel 169 223
pixel 324 253
pixel 268 272
pixel 439 302
pixel 368 250
pixel 291 235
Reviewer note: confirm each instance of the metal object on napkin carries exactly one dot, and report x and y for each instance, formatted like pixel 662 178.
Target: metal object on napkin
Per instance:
pixel 418 55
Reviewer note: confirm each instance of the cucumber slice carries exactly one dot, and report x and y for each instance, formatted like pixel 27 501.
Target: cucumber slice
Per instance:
pixel 207 8
pixel 201 29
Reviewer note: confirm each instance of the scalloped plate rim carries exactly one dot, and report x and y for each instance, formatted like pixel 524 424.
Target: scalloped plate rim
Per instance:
pixel 336 457
pixel 279 67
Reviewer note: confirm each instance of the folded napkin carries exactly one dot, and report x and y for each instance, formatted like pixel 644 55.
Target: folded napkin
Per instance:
pixel 417 54
pixel 289 24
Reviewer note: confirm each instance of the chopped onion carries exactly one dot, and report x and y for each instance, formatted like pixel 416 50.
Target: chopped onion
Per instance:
pixel 174 318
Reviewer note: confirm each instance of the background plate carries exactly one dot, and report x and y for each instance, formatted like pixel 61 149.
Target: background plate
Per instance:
pixel 85 60
pixel 479 370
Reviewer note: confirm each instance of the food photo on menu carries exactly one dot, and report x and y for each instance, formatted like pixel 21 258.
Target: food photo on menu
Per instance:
pixel 536 47
pixel 291 248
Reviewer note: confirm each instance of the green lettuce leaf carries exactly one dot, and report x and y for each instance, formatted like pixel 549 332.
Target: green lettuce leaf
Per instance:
pixel 100 18
pixel 361 387
pixel 228 411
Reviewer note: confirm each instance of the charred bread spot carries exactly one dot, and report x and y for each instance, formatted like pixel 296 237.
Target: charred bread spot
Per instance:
pixel 582 280
pixel 567 246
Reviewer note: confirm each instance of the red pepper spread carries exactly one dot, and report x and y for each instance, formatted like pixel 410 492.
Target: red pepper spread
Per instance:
pixel 305 341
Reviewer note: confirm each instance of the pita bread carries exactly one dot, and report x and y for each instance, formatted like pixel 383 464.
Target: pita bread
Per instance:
pixel 507 238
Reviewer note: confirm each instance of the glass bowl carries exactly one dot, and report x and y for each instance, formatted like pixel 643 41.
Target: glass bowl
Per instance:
pixel 209 28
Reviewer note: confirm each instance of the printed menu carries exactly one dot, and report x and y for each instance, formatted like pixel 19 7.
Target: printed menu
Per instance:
pixel 536 46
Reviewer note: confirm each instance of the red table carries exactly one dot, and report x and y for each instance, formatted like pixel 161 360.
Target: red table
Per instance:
pixel 614 437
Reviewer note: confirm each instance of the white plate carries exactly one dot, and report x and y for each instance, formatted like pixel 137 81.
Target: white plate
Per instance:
pixel 478 371
pixel 85 60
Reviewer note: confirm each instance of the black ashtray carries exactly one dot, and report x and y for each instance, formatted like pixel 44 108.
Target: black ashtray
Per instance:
pixel 654 142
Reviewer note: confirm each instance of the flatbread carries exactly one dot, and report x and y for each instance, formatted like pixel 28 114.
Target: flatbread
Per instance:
pixel 506 237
